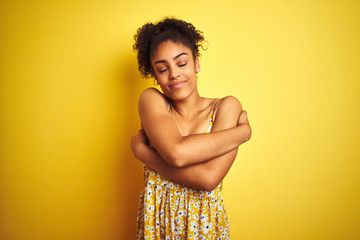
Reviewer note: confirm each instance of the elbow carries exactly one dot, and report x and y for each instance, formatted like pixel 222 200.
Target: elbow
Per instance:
pixel 210 182
pixel 175 162
pixel 210 186
pixel 176 157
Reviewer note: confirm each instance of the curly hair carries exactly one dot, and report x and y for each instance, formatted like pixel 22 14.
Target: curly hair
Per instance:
pixel 150 36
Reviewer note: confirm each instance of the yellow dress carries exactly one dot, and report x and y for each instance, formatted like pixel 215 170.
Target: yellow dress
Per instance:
pixel 169 210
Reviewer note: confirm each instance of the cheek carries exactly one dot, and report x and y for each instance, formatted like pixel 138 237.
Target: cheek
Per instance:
pixel 190 71
pixel 161 77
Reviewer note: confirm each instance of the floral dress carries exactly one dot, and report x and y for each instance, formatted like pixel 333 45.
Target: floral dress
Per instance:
pixel 169 210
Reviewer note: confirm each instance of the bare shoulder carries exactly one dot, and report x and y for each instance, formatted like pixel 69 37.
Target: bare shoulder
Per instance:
pixel 226 113
pixel 151 94
pixel 227 105
pixel 153 99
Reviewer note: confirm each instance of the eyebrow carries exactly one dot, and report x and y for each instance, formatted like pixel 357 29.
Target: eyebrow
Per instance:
pixel 174 58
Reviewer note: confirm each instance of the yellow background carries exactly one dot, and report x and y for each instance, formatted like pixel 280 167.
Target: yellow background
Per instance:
pixel 68 98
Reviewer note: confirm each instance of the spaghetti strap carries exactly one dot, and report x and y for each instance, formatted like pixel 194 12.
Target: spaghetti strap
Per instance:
pixel 208 130
pixel 212 110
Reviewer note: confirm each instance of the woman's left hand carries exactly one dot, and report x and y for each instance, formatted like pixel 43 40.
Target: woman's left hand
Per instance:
pixel 137 142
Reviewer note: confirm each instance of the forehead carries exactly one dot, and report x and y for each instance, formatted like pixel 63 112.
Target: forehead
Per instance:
pixel 168 50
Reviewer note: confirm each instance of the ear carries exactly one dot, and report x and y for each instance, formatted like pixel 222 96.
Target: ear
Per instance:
pixel 197 64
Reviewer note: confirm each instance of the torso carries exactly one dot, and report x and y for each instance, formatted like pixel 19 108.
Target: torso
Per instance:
pixel 171 210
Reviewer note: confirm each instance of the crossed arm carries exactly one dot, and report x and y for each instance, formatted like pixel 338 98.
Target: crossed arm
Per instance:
pixel 200 160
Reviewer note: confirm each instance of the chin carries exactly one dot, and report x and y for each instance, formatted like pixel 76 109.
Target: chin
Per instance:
pixel 179 95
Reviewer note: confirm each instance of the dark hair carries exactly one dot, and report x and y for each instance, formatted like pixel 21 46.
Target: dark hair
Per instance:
pixel 150 36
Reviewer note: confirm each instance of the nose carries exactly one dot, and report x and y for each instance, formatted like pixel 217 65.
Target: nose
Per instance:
pixel 174 74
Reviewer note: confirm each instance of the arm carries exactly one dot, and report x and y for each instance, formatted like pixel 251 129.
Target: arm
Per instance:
pixel 178 150
pixel 206 175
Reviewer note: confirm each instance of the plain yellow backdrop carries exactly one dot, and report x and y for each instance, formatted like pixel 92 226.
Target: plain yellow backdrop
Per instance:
pixel 68 96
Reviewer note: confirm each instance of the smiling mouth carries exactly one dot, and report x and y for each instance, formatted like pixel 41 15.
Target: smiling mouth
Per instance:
pixel 177 84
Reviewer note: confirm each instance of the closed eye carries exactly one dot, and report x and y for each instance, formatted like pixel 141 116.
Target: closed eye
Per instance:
pixel 182 65
pixel 163 70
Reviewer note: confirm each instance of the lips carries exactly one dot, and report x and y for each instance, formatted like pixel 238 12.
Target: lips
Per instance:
pixel 176 85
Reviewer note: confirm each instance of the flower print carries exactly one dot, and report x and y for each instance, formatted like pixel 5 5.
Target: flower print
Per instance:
pixel 224 234
pixel 177 221
pixel 193 226
pixel 149 191
pixel 206 227
pixel 204 218
pixel 182 211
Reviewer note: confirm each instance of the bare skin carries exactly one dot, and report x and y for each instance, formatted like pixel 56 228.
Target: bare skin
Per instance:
pixel 183 153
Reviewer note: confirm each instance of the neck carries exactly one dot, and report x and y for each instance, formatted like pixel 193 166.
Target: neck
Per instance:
pixel 189 105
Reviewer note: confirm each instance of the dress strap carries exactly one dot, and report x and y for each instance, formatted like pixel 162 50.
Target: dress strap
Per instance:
pixel 212 110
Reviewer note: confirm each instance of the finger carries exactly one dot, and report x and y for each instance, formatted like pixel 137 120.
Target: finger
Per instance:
pixel 141 132
pixel 243 117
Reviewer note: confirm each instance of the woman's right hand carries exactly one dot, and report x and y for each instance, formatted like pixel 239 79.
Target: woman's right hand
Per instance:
pixel 243 121
pixel 138 141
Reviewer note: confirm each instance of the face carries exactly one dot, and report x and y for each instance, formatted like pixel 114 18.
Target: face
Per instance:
pixel 175 70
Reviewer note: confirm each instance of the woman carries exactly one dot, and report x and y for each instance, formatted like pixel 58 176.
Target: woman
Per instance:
pixel 183 167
